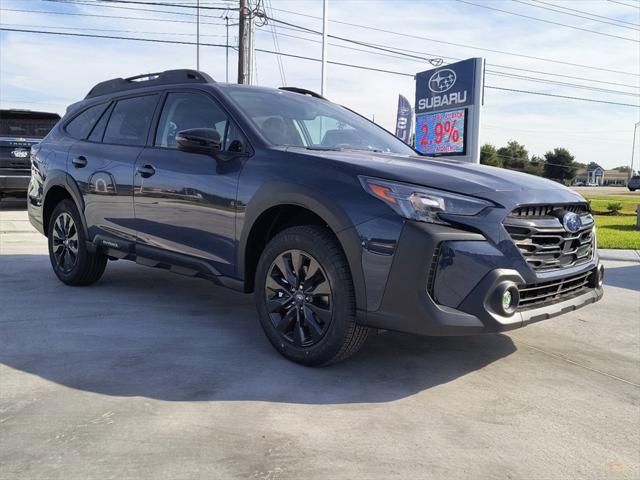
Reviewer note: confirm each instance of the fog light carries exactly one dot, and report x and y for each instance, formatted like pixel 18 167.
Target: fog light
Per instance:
pixel 506 298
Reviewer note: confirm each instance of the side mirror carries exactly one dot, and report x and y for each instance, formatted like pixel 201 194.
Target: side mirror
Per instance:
pixel 199 140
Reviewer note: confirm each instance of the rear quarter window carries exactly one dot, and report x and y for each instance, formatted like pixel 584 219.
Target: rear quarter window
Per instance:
pixel 82 124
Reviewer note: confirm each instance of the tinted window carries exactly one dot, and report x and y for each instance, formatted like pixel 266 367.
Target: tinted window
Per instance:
pixel 130 120
pixel 183 111
pixel 98 130
pixel 26 124
pixel 81 125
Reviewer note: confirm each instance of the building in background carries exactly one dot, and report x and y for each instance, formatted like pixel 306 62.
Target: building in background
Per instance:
pixel 594 174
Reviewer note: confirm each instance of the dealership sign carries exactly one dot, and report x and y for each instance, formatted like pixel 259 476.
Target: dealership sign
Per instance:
pixel 448 102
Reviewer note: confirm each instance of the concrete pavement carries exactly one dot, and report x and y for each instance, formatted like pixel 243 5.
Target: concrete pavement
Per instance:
pixel 152 375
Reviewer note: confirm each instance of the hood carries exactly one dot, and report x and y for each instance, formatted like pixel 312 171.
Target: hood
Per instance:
pixel 483 181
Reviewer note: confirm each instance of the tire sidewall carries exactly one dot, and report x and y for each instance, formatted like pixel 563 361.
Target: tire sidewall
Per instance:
pixel 343 312
pixel 67 206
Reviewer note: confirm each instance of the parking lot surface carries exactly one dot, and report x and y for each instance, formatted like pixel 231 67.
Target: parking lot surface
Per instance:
pixel 147 374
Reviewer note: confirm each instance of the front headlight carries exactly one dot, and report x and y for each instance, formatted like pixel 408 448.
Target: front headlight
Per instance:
pixel 421 203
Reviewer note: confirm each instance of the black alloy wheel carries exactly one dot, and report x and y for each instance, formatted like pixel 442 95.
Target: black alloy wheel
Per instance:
pixel 65 243
pixel 299 299
pixel 71 260
pixel 306 298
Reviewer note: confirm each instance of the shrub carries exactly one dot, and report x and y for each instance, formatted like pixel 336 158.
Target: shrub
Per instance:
pixel 614 207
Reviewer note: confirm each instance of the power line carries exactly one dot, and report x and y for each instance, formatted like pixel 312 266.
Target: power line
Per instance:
pixel 105 16
pixel 574 14
pixel 561 96
pixel 135 9
pixel 549 21
pixel 399 50
pixel 361 67
pixel 411 75
pixel 502 52
pixel 111 37
pixel 108 30
pixel 587 13
pixel 623 3
pixel 489 72
pixel 163 4
pixel 403 34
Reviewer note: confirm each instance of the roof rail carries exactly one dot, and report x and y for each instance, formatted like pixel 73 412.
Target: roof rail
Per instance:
pixel 302 91
pixel 167 77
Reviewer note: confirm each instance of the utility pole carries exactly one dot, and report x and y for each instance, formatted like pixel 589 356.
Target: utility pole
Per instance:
pixel 323 80
pixel 198 35
pixel 244 62
pixel 226 18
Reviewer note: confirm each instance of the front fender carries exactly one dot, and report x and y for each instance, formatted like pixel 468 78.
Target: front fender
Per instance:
pixel 276 193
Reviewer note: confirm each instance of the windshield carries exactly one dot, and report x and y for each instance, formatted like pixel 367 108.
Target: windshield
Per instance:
pixel 292 119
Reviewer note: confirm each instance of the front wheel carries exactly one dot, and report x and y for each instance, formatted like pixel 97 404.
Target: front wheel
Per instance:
pixel 72 263
pixel 305 297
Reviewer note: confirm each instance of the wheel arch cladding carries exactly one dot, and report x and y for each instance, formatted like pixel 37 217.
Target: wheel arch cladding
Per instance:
pixel 261 226
pixel 58 188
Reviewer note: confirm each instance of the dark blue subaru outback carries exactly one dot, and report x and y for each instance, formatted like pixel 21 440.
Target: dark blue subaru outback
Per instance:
pixel 337 226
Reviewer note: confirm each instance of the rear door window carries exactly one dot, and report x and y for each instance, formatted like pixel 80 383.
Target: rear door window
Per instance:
pixel 82 124
pixel 129 122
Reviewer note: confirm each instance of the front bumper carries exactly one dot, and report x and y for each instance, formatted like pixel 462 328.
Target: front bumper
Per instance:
pixel 442 280
pixel 14 182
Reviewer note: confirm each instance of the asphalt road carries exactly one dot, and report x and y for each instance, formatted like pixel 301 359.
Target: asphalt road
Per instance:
pixel 152 375
pixel 606 191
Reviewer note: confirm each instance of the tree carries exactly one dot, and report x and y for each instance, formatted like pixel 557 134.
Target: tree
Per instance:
pixel 560 164
pixel 535 166
pixel 623 169
pixel 489 156
pixel 514 156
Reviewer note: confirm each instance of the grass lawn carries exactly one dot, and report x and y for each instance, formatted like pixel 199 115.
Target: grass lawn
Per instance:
pixel 617 232
pixel 629 202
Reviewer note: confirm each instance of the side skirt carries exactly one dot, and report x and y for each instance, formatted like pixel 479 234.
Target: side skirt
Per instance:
pixel 181 264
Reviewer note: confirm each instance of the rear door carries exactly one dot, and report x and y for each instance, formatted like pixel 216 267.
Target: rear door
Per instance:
pixel 102 163
pixel 185 202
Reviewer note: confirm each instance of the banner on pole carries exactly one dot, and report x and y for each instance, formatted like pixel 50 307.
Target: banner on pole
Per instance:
pixel 404 119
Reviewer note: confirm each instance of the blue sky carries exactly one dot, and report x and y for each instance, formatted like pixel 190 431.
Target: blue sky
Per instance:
pixel 43 72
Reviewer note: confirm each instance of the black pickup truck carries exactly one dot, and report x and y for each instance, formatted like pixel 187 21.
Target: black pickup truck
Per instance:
pixel 19 130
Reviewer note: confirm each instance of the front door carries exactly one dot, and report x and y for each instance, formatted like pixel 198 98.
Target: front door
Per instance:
pixel 185 202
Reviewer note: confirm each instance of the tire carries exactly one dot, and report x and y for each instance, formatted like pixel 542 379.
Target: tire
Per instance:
pixel 72 263
pixel 314 324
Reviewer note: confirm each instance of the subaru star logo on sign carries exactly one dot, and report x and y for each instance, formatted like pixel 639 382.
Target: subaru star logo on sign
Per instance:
pixel 571 222
pixel 446 87
pixel 442 80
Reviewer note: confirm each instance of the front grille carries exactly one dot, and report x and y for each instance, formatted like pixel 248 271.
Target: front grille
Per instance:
pixel 544 293
pixel 546 210
pixel 542 240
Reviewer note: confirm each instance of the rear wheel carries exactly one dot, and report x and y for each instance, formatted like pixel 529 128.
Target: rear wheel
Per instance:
pixel 305 297
pixel 72 263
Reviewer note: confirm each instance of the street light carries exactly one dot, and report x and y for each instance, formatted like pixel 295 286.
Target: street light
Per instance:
pixel 633 147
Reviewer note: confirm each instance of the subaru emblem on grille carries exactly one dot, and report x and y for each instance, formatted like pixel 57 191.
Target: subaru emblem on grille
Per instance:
pixel 571 222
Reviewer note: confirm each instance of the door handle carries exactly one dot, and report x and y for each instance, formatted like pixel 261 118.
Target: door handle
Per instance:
pixel 79 162
pixel 146 171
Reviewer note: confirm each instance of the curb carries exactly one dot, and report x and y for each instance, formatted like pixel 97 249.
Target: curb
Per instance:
pixel 619 255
